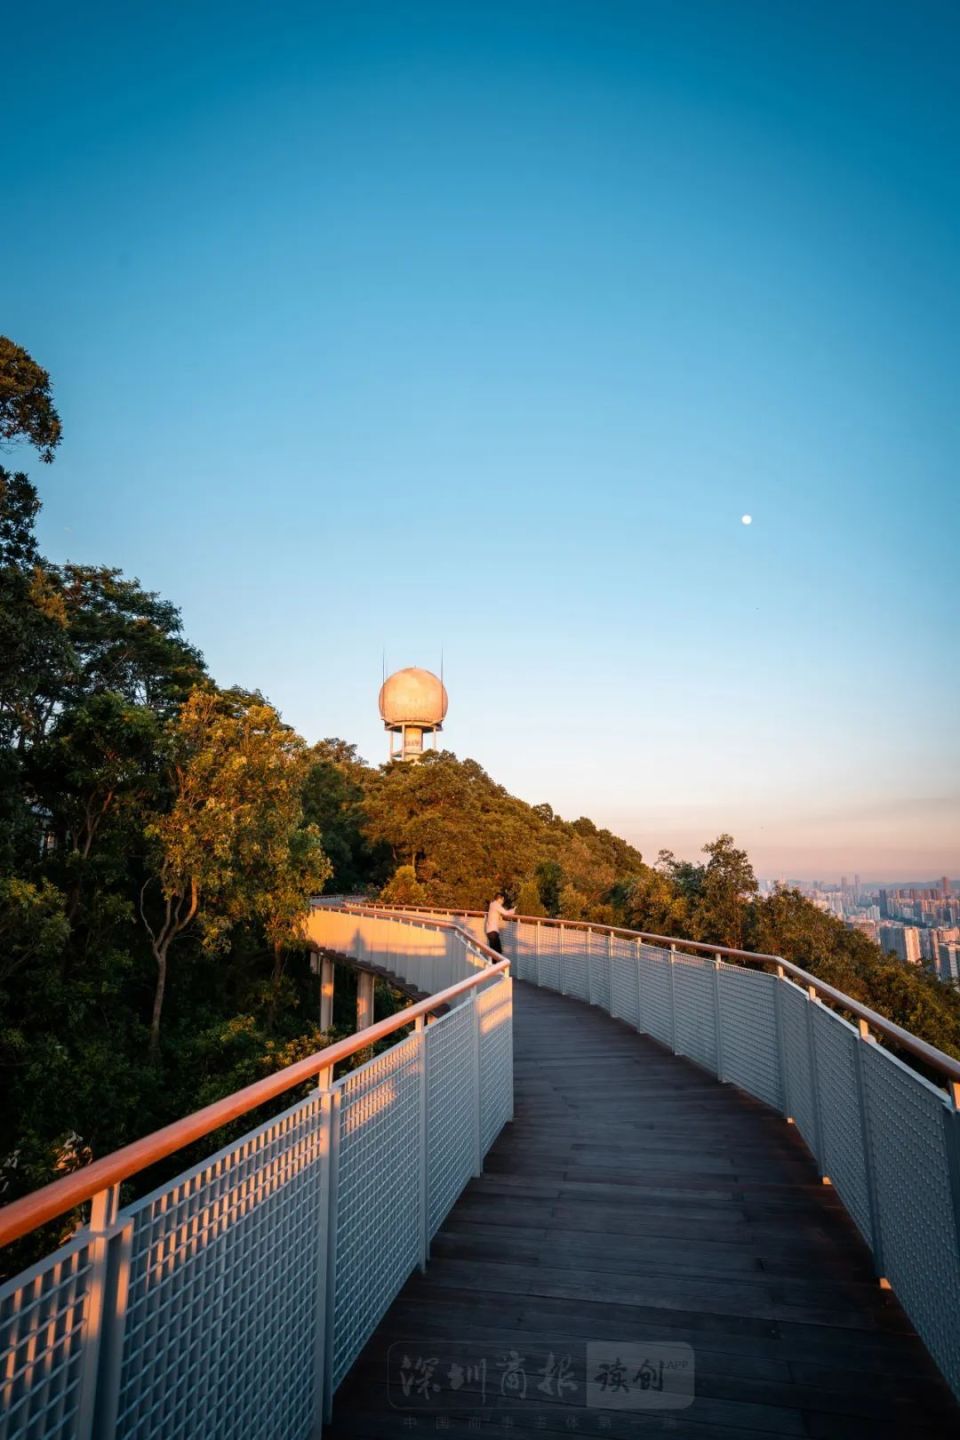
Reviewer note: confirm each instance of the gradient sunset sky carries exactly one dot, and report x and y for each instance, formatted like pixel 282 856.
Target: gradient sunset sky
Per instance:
pixel 480 326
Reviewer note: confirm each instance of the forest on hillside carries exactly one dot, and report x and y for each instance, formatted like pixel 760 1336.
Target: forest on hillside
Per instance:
pixel 161 836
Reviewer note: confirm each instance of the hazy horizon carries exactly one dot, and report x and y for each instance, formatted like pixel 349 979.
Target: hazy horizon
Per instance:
pixel 419 328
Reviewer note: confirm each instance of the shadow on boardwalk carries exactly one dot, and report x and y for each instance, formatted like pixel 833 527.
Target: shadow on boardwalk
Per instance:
pixel 637 1201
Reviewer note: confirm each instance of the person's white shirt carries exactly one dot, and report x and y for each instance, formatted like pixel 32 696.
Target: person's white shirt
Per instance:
pixel 497 912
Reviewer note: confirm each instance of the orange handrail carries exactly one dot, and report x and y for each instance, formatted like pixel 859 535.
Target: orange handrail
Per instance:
pixel 26 1214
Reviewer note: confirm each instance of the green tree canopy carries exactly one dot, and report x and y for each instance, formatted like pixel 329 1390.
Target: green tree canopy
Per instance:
pixel 528 900
pixel 231 846
pixel 26 405
pixel 404 888
pixel 334 801
pixel 466 836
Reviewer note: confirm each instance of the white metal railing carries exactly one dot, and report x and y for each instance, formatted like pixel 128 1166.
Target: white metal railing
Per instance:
pixel 233 1299
pixel 429 952
pixel 886 1137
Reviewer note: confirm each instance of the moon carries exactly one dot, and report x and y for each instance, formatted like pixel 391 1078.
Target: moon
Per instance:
pixel 746 519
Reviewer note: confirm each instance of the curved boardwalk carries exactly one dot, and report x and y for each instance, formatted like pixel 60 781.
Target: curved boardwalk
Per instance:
pixel 636 1201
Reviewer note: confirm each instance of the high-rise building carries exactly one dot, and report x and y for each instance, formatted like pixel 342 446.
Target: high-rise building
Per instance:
pixel 948 960
pixel 929 940
pixel 902 940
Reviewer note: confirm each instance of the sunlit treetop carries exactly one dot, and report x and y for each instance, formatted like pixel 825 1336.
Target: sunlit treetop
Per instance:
pixel 27 411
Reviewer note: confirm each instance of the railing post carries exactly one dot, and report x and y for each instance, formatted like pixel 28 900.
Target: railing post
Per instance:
pixel 951 1140
pixel 781 1054
pixel 537 954
pixel 589 966
pixel 329 1280
pixel 420 1029
pixel 563 975
pixel 477 1139
pixel 815 1081
pixel 323 1399
pixel 717 1017
pixel 673 1002
pixel 105 1317
pixel 610 969
pixel 641 1017
pixel 864 1037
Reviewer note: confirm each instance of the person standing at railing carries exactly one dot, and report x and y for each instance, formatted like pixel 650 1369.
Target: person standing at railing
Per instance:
pixel 497 912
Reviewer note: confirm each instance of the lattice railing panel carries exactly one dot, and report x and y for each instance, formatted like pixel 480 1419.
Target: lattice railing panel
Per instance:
pixel 46 1341
pixel 222 1310
pixel 799 1090
pixel 842 1154
pixel 695 998
pixel 751 1057
pixel 656 994
pixel 525 950
pixel 548 957
pixel 451 1110
pixel 378 1208
pixel 624 982
pixel 574 964
pixel 494 1004
pixel 915 1149
pixel 599 962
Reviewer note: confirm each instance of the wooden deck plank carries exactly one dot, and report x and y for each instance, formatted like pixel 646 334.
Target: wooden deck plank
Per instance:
pixel 635 1199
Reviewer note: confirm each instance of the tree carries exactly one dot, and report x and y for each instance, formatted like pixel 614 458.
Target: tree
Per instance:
pixel 126 639
pixel 19 508
pixel 228 847
pixel 585 865
pixel 334 801
pixel 573 903
pixel 98 756
pixel 528 899
pixel 653 902
pixel 26 407
pixel 296 870
pixel 687 877
pixel 447 818
pixel 404 888
pixel 550 881
pixel 32 923
pixel 34 647
pixel 726 883
pixel 465 836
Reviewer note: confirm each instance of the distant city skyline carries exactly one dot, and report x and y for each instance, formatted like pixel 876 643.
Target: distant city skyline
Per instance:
pixel 481 329
pixel 871 882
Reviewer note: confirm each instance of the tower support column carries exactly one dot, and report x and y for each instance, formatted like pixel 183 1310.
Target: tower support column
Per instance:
pixel 365 982
pixel 326 992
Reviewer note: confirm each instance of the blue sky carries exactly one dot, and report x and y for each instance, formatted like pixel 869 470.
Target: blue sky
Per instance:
pixel 480 327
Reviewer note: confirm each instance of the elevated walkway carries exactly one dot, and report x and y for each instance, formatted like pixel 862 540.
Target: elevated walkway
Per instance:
pixel 728 1204
pixel 634 1199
